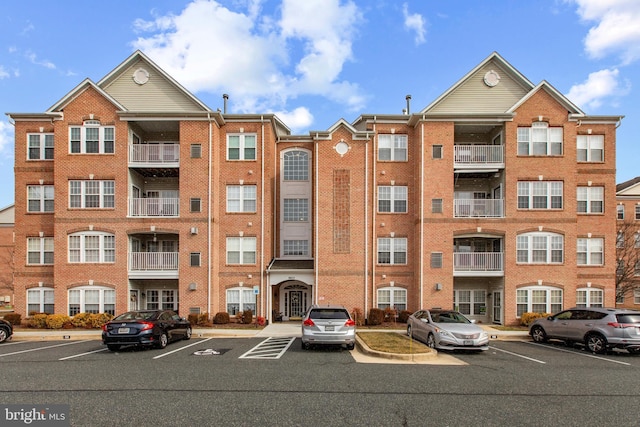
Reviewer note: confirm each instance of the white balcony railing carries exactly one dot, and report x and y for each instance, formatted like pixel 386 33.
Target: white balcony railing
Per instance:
pixel 477 261
pixel 160 207
pixel 478 208
pixel 478 155
pixel 162 153
pixel 153 261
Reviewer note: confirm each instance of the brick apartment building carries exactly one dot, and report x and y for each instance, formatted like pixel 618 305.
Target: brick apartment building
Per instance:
pixel 7 245
pixel 497 199
pixel 628 243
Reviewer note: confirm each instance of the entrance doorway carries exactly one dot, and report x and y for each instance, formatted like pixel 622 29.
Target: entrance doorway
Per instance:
pixel 294 298
pixel 497 307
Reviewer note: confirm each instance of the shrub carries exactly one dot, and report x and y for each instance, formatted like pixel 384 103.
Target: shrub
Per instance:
pixel 376 316
pixel 260 320
pixel 357 316
pixel 99 319
pixel 57 321
pixel 81 320
pixel 390 314
pixel 221 318
pixel 14 318
pixel 247 317
pixel 527 318
pixel 193 319
pixel 38 321
pixel 404 316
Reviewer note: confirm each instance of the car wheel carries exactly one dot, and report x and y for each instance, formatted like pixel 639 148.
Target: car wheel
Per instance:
pixel 3 335
pixel 113 347
pixel 187 335
pixel 431 341
pixel 538 334
pixel 633 350
pixel 409 330
pixel 163 340
pixel 351 346
pixel 596 343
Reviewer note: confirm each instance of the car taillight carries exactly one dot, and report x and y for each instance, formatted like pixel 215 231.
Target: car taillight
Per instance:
pixel 621 325
pixel 308 322
pixel 349 323
pixel 104 327
pixel 145 326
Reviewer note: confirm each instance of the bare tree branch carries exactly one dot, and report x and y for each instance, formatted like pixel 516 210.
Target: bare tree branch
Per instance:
pixel 628 255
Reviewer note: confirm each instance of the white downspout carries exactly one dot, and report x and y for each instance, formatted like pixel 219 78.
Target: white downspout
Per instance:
pixel 209 231
pixel 366 222
pixel 421 222
pixel 315 214
pixel 262 191
pixel 374 242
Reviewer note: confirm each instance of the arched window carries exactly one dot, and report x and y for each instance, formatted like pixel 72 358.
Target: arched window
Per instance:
pixel 538 299
pixel 240 299
pixel 40 300
pixel 540 248
pixel 296 165
pixel 92 247
pixel 392 297
pixel 92 299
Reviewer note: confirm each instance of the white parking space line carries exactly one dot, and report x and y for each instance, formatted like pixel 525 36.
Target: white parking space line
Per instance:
pixel 43 348
pixel 83 354
pixel 181 348
pixel 271 348
pixel 580 354
pixel 518 355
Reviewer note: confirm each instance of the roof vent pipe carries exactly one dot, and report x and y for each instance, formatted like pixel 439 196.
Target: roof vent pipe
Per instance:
pixel 226 98
pixel 408 98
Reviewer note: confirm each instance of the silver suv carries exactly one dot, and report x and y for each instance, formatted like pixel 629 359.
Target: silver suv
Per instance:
pixel 598 328
pixel 330 324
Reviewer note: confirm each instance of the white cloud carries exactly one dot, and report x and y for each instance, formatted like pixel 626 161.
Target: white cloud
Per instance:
pixel 3 73
pixel 414 22
pixel 297 120
pixel 599 86
pixel 6 139
pixel 254 56
pixel 616 29
pixel 44 63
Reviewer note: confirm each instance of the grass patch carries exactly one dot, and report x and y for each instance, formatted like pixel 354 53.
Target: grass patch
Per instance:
pixel 510 328
pixel 392 342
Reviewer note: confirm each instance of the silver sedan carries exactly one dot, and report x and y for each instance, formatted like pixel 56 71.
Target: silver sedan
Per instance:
pixel 446 330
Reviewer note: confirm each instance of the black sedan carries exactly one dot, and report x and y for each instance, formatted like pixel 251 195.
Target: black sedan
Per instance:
pixel 6 330
pixel 146 328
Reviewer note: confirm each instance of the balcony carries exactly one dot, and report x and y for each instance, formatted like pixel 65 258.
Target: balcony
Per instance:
pixel 478 157
pixel 153 265
pixel 478 208
pixel 154 155
pixel 478 264
pixel 154 207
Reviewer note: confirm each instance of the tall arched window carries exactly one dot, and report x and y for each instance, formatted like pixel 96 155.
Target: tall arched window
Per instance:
pixel 296 165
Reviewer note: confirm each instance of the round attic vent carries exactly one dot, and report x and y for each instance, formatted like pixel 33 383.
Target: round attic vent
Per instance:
pixel 140 76
pixel 491 78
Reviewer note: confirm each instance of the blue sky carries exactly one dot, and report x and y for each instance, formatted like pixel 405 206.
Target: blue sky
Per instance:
pixel 313 62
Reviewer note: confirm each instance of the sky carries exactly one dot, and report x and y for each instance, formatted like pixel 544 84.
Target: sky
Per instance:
pixel 314 62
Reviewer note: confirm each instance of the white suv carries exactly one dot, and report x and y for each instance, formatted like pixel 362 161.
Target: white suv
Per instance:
pixel 328 325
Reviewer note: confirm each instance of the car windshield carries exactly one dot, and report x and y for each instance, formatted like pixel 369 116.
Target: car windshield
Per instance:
pixel 329 313
pixel 628 318
pixel 449 317
pixel 135 315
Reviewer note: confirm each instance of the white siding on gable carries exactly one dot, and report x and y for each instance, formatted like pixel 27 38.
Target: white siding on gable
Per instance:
pixel 633 190
pixel 474 96
pixel 156 95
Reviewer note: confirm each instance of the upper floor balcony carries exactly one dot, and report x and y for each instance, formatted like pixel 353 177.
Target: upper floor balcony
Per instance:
pixel 154 207
pixel 153 265
pixel 478 264
pixel 478 208
pixel 473 156
pixel 161 154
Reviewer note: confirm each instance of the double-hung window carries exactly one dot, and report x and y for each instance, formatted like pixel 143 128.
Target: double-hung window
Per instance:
pixel 620 211
pixel 392 147
pixel 590 251
pixel 241 198
pixel 540 140
pixel 540 248
pixel 590 148
pixel 40 146
pixel 92 247
pixel 40 250
pixel 91 138
pixel 91 194
pixel 241 146
pixel 590 200
pixel 470 302
pixel 92 299
pixel 589 297
pixel 40 198
pixel 539 299
pixel 392 297
pixel 392 199
pixel 239 300
pixel 241 250
pixel 540 194
pixel 40 300
pixel 392 250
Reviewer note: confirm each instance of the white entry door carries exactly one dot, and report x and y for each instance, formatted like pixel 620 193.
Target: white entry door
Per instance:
pixel 497 307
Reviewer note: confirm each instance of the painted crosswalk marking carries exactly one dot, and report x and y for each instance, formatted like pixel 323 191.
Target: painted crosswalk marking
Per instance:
pixel 271 348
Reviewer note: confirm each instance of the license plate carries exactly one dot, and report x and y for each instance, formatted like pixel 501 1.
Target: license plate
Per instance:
pixel 123 330
pixel 329 328
pixel 468 342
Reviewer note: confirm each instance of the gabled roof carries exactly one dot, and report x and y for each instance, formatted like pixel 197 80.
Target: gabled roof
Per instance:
pixel 326 134
pixel 76 91
pixel 560 98
pixel 630 187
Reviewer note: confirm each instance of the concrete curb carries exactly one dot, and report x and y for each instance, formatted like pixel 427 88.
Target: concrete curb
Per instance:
pixel 417 357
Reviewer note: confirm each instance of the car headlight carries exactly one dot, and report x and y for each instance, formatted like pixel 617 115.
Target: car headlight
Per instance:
pixel 444 333
pixel 484 334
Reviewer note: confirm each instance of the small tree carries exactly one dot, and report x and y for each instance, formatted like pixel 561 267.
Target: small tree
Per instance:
pixel 7 273
pixel 628 255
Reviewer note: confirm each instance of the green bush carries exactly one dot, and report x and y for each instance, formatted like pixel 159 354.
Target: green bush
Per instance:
pixel 247 317
pixel 527 318
pixel 376 316
pixel 57 321
pixel 14 318
pixel 404 316
pixel 221 318
pixel 38 320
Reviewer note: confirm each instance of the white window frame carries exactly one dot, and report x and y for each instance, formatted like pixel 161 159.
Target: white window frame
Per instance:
pixel 244 247
pixel 540 139
pixel 395 195
pixel 78 296
pixel 162 299
pixel 295 210
pixel 392 297
pixel 295 166
pixel 589 297
pixel 91 247
pixel 589 148
pixel 530 296
pixel 43 246
pixel 620 212
pixel 591 198
pixel 534 191
pixel 43 297
pixel 393 147
pixel 244 146
pixel 396 247
pixel 241 198
pixel 636 296
pixel 103 147
pixel 637 212
pixel 531 244
pixel 470 301
pixel 44 147
pixel 106 194
pixel 243 297
pixel 590 251
pixel 293 247
pixel 43 195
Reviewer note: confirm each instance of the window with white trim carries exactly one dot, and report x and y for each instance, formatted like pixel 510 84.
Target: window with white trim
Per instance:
pixel 590 251
pixel 620 240
pixel 620 212
pixel 295 165
pixel 40 146
pixel 589 297
pixel 392 297
pixel 392 199
pixel 40 300
pixel 540 248
pixel 392 250
pixel 590 148
pixel 240 299
pixel 636 296
pixel 470 302
pixel 92 247
pixel 540 194
pixel 392 147
pixel 241 146
pixel 540 140
pixel 92 194
pixel 92 299
pixel 241 250
pixel 162 299
pixel 91 138
pixel 637 212
pixel 40 250
pixel 40 198
pixel 296 247
pixel 590 199
pixel 538 299
pixel 241 198
pixel 295 210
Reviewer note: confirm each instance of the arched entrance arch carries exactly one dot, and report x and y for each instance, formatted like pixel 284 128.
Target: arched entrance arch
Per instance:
pixel 294 298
